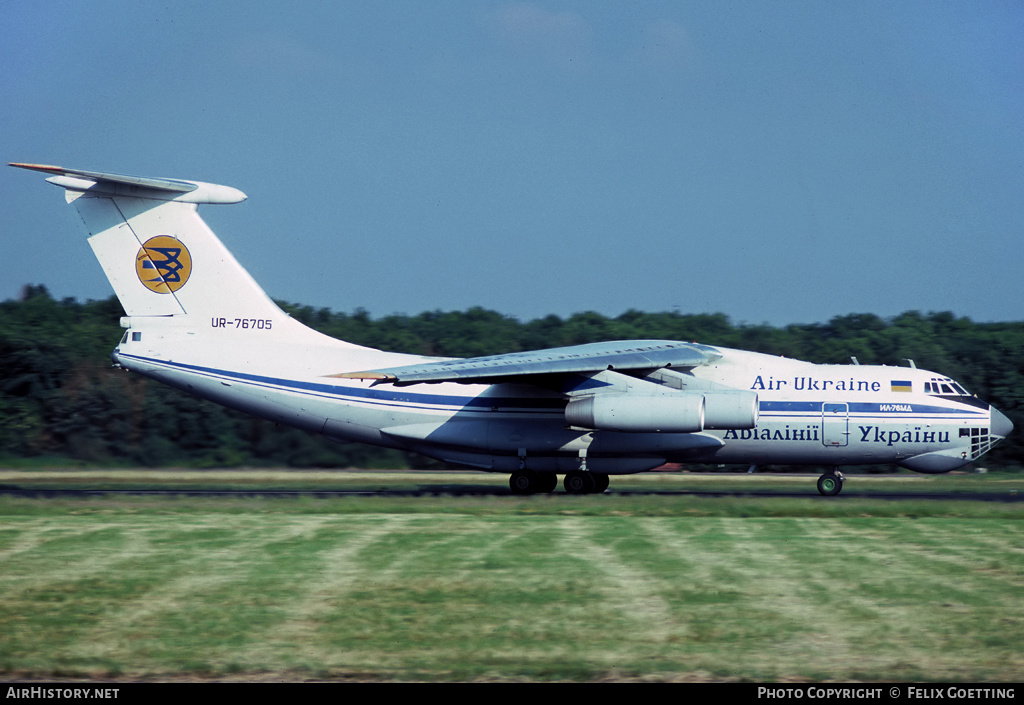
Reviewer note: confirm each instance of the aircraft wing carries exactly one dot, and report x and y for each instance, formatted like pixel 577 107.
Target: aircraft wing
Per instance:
pixel 591 357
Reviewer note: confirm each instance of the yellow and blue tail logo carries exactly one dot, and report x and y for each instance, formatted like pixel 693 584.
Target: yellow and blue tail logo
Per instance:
pixel 163 264
pixel 151 220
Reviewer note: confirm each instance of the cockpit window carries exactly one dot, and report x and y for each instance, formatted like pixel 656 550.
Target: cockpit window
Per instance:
pixel 945 386
pixel 947 389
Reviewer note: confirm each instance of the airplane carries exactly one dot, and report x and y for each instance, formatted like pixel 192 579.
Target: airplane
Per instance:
pixel 197 321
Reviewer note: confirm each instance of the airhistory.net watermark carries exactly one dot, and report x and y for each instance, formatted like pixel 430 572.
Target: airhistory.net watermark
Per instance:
pixel 62 693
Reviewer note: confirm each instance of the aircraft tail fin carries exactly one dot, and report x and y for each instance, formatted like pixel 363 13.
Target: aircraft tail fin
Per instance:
pixel 159 255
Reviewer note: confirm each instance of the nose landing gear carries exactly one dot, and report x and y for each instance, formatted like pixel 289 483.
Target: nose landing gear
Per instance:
pixel 831 483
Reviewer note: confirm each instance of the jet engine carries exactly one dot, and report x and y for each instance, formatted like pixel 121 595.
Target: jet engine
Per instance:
pixel 730 409
pixel 679 412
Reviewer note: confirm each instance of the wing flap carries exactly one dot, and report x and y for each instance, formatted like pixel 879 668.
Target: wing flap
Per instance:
pixel 591 357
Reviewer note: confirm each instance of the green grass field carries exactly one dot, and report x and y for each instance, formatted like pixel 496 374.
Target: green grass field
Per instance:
pixel 493 587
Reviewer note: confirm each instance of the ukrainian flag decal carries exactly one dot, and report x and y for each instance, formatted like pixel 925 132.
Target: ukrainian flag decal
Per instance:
pixel 899 385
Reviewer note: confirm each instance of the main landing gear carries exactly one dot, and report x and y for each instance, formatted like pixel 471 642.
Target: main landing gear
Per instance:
pixel 525 481
pixel 831 483
pixel 579 482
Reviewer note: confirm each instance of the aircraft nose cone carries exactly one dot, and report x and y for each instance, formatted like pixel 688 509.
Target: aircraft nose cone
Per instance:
pixel 1000 425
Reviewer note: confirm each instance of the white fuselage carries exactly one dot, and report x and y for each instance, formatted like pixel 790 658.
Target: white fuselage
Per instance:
pixel 807 413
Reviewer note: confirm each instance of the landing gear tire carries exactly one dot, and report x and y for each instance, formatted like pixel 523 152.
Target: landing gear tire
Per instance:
pixel 547 481
pixel 600 482
pixel 830 484
pixel 577 482
pixel 524 482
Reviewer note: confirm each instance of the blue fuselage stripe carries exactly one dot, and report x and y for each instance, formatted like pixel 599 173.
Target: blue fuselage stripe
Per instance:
pixel 445 401
pixel 873 408
pixel 376 396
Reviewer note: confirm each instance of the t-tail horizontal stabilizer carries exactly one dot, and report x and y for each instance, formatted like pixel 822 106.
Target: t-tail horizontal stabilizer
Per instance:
pixel 78 181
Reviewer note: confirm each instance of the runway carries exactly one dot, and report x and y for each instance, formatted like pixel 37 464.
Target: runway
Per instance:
pixel 471 490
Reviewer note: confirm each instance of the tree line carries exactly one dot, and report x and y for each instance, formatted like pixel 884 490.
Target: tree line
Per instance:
pixel 61 400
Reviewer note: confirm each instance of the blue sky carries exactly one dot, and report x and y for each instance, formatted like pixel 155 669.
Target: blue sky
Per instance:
pixel 779 162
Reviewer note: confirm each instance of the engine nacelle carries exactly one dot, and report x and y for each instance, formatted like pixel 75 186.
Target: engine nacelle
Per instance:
pixel 676 412
pixel 681 412
pixel 730 409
